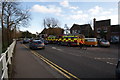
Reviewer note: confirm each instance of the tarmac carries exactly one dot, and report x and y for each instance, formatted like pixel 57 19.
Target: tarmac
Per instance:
pixel 27 65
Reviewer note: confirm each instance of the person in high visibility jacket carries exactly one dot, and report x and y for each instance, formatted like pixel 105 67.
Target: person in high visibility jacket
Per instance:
pixel 81 42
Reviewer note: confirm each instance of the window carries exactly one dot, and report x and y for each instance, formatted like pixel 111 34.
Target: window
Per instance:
pixel 98 30
pixel 105 29
pixel 79 31
pixel 73 31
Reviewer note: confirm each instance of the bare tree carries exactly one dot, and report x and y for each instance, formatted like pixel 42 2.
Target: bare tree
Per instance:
pixel 67 30
pixel 13 16
pixel 51 22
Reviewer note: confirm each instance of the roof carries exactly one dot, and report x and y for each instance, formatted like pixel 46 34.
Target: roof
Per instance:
pixel 115 28
pixel 115 25
pixel 103 22
pixel 80 26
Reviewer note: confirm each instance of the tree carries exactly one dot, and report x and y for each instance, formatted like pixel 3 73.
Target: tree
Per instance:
pixel 12 16
pixel 51 22
pixel 103 34
pixel 90 33
pixel 67 30
pixel 26 34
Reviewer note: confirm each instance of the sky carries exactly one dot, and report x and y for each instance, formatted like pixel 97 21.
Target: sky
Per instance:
pixel 69 13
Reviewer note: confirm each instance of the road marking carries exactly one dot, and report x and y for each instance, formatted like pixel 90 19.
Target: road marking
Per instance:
pixel 110 63
pixel 53 65
pixel 53 47
pixel 105 58
pixel 59 49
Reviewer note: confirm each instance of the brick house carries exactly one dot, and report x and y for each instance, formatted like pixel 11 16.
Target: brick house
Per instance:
pixel 85 29
pixel 102 28
pixel 115 32
pixel 53 31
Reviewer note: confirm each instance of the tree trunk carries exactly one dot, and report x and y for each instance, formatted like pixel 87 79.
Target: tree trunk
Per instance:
pixel 3 45
pixel 8 32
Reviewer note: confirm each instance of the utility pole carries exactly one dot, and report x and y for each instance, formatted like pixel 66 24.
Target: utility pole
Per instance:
pixel 44 24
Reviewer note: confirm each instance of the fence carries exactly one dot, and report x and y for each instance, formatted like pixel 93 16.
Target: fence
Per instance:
pixel 6 59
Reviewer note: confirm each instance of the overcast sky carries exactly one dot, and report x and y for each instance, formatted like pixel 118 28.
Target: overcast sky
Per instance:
pixel 70 12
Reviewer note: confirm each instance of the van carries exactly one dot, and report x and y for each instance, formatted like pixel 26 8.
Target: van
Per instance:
pixel 91 42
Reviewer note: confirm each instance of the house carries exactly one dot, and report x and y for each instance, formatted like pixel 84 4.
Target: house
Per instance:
pixel 85 29
pixel 52 31
pixel 115 33
pixel 102 28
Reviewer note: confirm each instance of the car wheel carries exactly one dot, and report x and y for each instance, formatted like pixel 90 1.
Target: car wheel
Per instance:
pixel 43 48
pixel 69 44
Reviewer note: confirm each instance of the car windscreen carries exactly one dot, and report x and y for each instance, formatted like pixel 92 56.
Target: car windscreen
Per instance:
pixel 104 40
pixel 38 42
pixel 90 40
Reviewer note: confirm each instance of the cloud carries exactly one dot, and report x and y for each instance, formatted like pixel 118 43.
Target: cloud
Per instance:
pixel 66 4
pixel 114 18
pixel 95 10
pixel 73 7
pixel 101 14
pixel 46 9
pixel 78 16
pixel 59 14
pixel 99 10
pixel 77 12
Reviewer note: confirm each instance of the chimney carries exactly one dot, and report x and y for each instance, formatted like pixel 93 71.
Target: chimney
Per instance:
pixel 94 23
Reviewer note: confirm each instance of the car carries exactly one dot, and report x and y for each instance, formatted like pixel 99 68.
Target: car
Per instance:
pixel 118 70
pixel 45 41
pixel 104 43
pixel 26 40
pixel 36 44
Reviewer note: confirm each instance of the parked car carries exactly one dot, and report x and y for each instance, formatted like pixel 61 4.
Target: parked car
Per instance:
pixel 26 40
pixel 118 70
pixel 114 40
pixel 45 41
pixel 37 44
pixel 104 43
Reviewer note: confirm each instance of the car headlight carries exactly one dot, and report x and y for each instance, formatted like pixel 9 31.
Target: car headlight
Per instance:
pixel 43 44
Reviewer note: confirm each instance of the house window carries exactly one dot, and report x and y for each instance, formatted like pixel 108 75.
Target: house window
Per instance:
pixel 105 29
pixel 79 31
pixel 73 31
pixel 98 30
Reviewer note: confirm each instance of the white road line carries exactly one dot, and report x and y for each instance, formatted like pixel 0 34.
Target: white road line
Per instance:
pixel 63 51
pixel 111 63
pixel 105 58
pixel 53 47
pixel 59 49
pixel 74 54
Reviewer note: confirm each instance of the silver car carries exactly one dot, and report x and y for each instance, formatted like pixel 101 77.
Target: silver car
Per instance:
pixel 104 43
pixel 37 44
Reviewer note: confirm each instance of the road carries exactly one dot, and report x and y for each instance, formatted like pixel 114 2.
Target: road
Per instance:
pixel 95 62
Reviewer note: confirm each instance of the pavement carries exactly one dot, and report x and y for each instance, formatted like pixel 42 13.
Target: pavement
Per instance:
pixel 27 65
